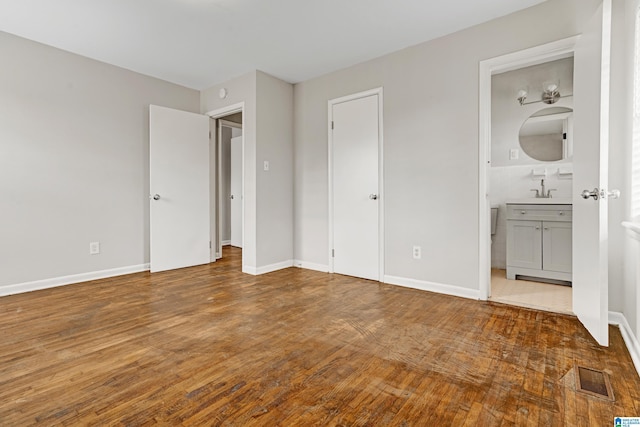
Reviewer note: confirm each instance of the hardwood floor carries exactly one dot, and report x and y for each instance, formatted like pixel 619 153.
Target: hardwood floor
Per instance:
pixel 209 345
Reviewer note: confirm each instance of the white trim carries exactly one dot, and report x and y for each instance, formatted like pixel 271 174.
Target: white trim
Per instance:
pixel 633 345
pixel 267 268
pixel 535 55
pixel 433 287
pixel 311 266
pixel 217 114
pixel 226 243
pixel 71 279
pixel 379 92
pixel 230 124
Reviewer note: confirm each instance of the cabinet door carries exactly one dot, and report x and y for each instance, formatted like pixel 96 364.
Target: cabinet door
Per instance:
pixel 524 244
pixel 556 246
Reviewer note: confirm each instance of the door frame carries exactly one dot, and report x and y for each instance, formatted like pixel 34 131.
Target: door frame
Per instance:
pixel 536 55
pixel 379 92
pixel 217 115
pixel 226 123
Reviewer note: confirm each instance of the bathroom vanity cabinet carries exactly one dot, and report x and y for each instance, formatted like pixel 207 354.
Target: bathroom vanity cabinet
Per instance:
pixel 539 241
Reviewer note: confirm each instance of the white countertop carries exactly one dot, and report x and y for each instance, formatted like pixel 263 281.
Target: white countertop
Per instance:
pixel 540 201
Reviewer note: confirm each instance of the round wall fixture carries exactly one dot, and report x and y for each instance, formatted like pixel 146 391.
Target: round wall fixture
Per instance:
pixel 223 93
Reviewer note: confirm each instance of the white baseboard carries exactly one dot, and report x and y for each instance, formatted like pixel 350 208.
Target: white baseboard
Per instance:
pixel 255 271
pixel 433 287
pixel 633 345
pixel 68 280
pixel 226 242
pixel 311 266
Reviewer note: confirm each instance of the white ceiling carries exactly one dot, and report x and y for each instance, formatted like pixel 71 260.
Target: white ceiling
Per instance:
pixel 199 43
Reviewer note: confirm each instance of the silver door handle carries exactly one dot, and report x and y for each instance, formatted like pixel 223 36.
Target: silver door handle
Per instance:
pixel 600 194
pixel 155 197
pixel 595 193
pixel 373 196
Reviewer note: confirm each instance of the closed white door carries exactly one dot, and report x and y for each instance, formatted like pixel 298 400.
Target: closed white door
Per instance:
pixel 179 187
pixel 236 192
pixel 355 187
pixel 591 133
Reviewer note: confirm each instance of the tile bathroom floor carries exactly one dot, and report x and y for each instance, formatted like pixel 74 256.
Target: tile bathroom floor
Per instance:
pixel 523 293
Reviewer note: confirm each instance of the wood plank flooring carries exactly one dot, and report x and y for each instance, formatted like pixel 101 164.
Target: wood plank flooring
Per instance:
pixel 209 345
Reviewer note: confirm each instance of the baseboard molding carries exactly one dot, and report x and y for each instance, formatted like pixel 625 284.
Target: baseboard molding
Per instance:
pixel 633 345
pixel 433 287
pixel 226 242
pixel 311 266
pixel 255 271
pixel 68 280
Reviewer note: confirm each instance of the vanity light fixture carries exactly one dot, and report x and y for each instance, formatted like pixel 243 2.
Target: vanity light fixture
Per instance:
pixel 522 96
pixel 550 95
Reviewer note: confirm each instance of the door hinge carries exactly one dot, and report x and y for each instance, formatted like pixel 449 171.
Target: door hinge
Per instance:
pixel 333 253
pixel 209 244
pixel 331 124
pixel 564 135
pixel 209 134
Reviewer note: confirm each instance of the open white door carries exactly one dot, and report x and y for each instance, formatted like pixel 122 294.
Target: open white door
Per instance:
pixel 236 192
pixel 591 136
pixel 179 186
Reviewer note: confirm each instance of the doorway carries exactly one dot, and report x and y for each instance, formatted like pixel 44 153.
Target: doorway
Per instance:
pixel 355 185
pixel 229 150
pixel 591 52
pixel 228 125
pixel 531 185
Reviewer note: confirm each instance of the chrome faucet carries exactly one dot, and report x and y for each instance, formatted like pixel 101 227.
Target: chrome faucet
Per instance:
pixel 541 194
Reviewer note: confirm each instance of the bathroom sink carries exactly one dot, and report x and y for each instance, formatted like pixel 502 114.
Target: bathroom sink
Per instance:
pixel 541 201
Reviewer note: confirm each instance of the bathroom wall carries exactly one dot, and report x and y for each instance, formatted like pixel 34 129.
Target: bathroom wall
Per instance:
pixel 512 178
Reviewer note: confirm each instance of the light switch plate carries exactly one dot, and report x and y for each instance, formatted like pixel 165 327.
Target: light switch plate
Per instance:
pixel 266 165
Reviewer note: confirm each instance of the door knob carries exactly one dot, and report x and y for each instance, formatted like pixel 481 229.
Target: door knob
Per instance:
pixel 231 197
pixel 155 197
pixel 373 196
pixel 595 193
pixel 600 194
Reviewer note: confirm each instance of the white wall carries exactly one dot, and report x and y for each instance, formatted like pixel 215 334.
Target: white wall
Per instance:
pixel 624 268
pixel 268 195
pixel 275 186
pixel 74 166
pixel 430 138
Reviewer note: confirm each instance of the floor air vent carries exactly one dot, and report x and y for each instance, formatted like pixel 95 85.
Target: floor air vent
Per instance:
pixel 593 382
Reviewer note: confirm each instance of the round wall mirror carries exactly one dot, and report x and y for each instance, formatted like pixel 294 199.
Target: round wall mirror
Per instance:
pixel 547 134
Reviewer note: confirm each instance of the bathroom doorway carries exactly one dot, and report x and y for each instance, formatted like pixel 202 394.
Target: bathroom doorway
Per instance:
pixel 531 185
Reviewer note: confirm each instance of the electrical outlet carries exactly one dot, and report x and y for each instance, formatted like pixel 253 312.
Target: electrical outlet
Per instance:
pixel 94 248
pixel 514 153
pixel 417 252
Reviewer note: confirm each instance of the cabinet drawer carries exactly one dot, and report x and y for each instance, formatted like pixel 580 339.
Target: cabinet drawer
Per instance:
pixel 561 213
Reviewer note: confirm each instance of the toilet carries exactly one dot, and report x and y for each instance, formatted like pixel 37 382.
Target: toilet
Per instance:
pixel 494 221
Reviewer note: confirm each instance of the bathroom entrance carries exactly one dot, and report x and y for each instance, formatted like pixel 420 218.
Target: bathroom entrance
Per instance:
pixel 589 194
pixel 531 185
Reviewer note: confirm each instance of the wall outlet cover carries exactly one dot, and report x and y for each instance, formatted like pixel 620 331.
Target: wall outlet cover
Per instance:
pixel 94 248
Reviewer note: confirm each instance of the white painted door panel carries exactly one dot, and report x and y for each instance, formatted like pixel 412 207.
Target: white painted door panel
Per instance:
pixel 591 134
pixel 179 175
pixel 236 191
pixel 354 150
